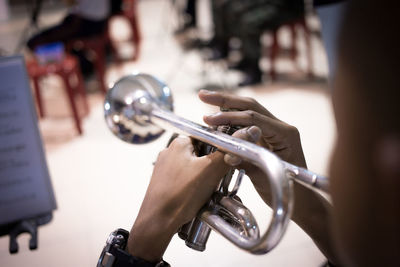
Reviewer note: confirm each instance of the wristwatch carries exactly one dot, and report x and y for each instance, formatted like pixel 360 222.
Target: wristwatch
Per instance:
pixel 115 255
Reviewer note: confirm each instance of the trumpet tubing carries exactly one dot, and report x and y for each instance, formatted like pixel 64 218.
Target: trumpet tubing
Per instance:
pixel 138 108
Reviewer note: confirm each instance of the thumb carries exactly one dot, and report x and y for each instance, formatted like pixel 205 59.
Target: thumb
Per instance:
pixel 251 134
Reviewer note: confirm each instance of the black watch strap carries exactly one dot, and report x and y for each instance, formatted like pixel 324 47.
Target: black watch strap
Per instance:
pixel 124 259
pixel 114 254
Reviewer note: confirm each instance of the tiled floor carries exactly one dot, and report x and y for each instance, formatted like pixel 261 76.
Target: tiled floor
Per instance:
pixel 100 181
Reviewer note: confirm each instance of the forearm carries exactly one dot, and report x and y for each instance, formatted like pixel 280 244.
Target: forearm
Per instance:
pixel 312 213
pixel 311 210
pixel 150 237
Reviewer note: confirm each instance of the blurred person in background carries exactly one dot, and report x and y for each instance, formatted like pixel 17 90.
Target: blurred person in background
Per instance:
pixel 247 20
pixel 361 228
pixel 85 18
pixel 189 17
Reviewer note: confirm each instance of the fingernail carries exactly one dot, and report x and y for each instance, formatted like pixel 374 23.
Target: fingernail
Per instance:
pixel 213 115
pixel 232 160
pixel 204 91
pixel 254 133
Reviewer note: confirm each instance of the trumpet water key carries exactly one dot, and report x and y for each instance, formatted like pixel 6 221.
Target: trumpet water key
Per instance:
pixel 138 108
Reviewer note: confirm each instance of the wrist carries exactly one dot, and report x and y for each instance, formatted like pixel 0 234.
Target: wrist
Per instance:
pixel 312 213
pixel 310 208
pixel 149 237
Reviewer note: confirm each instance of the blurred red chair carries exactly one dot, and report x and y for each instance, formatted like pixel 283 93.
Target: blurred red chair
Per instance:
pixel 129 13
pixel 67 69
pixel 275 47
pixel 95 48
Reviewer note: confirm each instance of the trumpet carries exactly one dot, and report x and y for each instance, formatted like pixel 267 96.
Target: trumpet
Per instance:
pixel 139 108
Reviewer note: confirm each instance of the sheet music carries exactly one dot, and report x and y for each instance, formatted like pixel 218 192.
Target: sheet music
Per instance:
pixel 25 187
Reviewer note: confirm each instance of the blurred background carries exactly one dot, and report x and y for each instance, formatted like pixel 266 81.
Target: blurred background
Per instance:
pixel 100 181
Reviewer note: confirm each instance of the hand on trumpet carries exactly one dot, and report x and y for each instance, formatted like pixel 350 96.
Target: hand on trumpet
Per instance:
pixel 180 185
pixel 311 211
pixel 274 134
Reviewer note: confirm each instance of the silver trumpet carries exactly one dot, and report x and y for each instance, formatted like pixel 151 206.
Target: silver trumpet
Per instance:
pixel 139 107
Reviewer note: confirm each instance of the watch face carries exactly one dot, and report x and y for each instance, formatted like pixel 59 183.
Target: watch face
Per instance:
pixel 116 241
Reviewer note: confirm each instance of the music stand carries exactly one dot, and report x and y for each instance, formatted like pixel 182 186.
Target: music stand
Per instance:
pixel 26 195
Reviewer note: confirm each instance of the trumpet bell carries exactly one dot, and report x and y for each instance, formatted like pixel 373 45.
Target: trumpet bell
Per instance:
pixel 125 107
